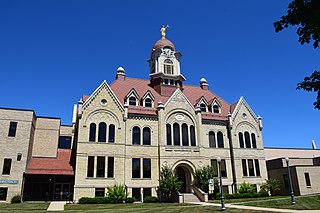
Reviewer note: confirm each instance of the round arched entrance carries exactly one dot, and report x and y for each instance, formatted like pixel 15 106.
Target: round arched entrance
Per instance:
pixel 184 172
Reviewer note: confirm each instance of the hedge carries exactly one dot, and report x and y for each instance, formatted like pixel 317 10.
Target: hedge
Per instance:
pixel 150 199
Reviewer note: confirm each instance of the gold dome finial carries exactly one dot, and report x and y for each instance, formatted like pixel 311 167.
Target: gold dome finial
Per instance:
pixel 163 31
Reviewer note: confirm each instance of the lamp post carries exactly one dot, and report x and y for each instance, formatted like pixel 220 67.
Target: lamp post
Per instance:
pixel 220 186
pixel 290 182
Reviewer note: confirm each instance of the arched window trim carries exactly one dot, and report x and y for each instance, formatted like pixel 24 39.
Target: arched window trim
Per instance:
pixel 92 132
pixel 147 95
pixel 253 141
pixel 131 94
pixel 212 139
pixel 102 132
pixel 176 134
pixel 136 135
pixel 112 133
pixel 169 134
pixel 193 140
pixel 214 103
pixel 247 139
pixel 130 101
pixel 168 67
pixel 215 106
pixel 185 134
pixel 241 140
pixel 220 140
pixel 146 139
pixel 203 107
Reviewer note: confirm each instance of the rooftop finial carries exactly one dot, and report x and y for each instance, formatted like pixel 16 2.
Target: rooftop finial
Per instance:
pixel 163 31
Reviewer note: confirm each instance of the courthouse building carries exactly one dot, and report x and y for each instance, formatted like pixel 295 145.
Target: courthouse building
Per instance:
pixel 126 131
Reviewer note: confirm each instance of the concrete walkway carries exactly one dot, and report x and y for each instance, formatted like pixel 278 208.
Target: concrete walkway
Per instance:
pixel 254 208
pixel 56 206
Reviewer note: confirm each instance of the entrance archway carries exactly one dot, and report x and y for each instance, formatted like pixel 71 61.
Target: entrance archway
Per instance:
pixel 184 173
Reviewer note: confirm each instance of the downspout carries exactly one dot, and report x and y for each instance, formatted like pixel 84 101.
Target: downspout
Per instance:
pixel 234 176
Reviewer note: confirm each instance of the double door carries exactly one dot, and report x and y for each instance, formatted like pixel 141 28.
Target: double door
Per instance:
pixel 61 191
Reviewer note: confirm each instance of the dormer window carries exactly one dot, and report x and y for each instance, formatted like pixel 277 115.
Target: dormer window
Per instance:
pixel 147 102
pixel 132 101
pixel 203 107
pixel 216 106
pixel 168 67
pixel 147 99
pixel 215 109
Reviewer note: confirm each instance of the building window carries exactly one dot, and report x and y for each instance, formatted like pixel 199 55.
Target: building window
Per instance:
pixel 256 162
pixel 147 192
pixel 176 134
pixel 136 193
pixel 169 142
pixel 102 132
pixel 148 102
pixel 185 136
pixel 192 136
pixel 99 192
pixel 244 168
pixel 220 140
pixel 12 129
pixel 136 168
pixel 132 101
pixel 146 136
pixel 241 140
pixel 253 140
pixel 307 177
pixel 110 167
pixel 214 165
pixel 136 135
pixel 168 67
pixel 212 139
pixel 3 193
pixel 19 156
pixel 146 168
pixel 101 166
pixel 6 166
pixel 90 167
pixel 215 109
pixel 111 133
pixel 64 142
pixel 203 107
pixel 250 167
pixel 92 132
pixel 247 139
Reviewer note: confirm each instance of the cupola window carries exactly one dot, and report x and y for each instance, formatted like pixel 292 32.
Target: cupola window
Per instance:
pixel 168 67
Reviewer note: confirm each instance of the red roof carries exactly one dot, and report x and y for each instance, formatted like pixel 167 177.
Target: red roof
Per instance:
pixel 52 166
pixel 163 42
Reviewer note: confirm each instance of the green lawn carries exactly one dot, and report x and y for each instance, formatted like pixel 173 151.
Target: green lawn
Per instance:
pixel 240 200
pixel 307 202
pixel 24 207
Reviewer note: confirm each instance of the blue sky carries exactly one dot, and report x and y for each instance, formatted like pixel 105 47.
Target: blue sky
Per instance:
pixel 53 52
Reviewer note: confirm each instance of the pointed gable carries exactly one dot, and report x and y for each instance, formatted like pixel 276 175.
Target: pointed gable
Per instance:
pixel 241 103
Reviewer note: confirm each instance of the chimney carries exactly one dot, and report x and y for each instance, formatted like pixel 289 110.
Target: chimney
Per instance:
pixel 203 84
pixel 121 75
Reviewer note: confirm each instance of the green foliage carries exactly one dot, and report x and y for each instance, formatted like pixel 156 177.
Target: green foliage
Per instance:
pixel 312 84
pixel 306 15
pixel 95 200
pixel 117 193
pixel 150 199
pixel 168 183
pixel 246 188
pixel 16 199
pixel 245 195
pixel 272 185
pixel 130 200
pixel 201 177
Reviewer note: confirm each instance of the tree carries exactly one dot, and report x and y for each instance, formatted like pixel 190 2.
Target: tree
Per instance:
pixel 247 188
pixel 168 183
pixel 201 177
pixel 272 186
pixel 306 15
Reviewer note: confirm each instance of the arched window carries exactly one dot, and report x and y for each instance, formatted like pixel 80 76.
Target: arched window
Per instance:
pixel 92 132
pixel 220 140
pixel 132 101
pixel 241 140
pixel 203 107
pixel 136 135
pixel 168 67
pixel 148 102
pixel 185 136
pixel 192 136
pixel 111 133
pixel 146 136
pixel 176 134
pixel 253 139
pixel 247 139
pixel 212 139
pixel 169 142
pixel 215 109
pixel 102 132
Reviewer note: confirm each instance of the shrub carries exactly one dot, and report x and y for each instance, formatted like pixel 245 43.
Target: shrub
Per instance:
pixel 263 193
pixel 117 193
pixel 201 177
pixel 272 185
pixel 150 199
pixel 16 199
pixel 130 200
pixel 247 188
pixel 168 183
pixel 94 200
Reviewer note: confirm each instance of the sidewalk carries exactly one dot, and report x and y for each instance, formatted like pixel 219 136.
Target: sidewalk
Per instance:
pixel 254 207
pixel 56 206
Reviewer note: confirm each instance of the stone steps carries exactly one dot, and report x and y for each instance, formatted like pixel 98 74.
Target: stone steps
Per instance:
pixel 190 197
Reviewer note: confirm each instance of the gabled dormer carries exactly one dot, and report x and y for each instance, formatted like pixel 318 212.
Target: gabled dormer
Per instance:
pixel 215 106
pixel 148 100
pixel 132 98
pixel 202 103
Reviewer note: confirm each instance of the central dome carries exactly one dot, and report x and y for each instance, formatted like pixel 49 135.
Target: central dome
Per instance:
pixel 163 42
